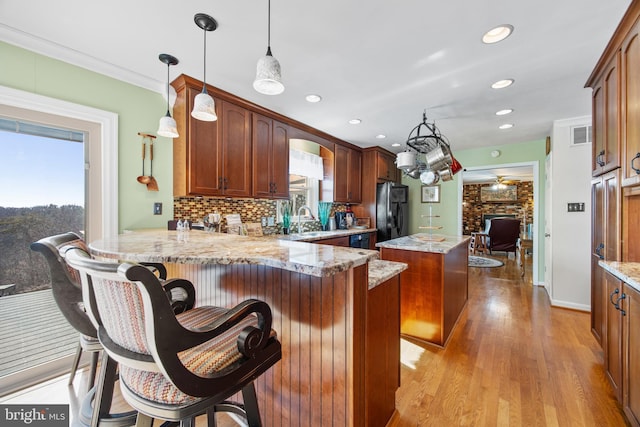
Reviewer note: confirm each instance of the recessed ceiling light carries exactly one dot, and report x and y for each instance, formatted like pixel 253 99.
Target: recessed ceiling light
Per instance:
pixel 395 144
pixel 505 126
pixel 502 83
pixel 497 34
pixel 313 98
pixel 355 121
pixel 505 111
pixel 381 136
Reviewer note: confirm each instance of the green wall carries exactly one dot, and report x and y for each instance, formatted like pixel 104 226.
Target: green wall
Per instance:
pixel 138 110
pixel 448 207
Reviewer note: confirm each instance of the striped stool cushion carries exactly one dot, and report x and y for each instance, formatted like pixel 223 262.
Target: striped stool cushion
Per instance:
pixel 202 360
pixel 74 275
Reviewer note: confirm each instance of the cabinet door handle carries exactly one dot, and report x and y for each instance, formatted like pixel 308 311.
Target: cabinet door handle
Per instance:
pixel 615 304
pixel 600 158
pixel 224 187
pixel 598 249
pixel 220 183
pixel 623 296
pixel 633 167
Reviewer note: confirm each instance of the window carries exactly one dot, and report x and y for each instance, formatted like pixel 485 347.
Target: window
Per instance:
pixel 91 188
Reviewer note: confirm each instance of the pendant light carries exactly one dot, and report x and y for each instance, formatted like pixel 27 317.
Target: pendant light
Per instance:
pixel 204 108
pixel 168 127
pixel 268 76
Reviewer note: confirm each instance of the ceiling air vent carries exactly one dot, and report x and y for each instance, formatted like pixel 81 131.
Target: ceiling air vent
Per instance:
pixel 580 135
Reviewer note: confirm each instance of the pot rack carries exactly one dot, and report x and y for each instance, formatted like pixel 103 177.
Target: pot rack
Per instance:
pixel 437 162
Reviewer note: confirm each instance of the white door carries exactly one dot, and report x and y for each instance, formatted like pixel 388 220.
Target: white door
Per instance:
pixel 548 267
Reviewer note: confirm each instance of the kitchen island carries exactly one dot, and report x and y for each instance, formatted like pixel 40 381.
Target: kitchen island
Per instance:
pixel 434 289
pixel 322 300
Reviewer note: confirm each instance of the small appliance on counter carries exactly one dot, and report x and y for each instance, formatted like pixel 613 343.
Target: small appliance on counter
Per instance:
pixel 341 220
pixel 350 217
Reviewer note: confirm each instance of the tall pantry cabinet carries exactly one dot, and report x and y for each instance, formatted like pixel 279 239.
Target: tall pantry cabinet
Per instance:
pixel 615 234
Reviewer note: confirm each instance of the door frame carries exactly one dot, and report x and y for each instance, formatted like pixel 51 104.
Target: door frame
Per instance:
pixel 535 165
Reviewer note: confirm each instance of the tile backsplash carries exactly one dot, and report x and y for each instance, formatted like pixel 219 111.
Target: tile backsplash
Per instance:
pixel 250 210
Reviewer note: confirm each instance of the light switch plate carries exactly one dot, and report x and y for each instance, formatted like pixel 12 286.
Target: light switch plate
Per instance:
pixel 575 207
pixel 157 208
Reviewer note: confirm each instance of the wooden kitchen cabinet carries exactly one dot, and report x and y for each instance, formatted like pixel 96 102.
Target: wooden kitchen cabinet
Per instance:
pixel 236 150
pixel 631 355
pixel 334 241
pixel 630 108
pixel 606 99
pixel 386 169
pixel 270 158
pixel 605 242
pixel 613 333
pixel 196 151
pixel 382 363
pixel 210 158
pixel 348 175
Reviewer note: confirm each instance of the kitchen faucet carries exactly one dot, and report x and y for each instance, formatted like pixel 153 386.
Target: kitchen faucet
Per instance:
pixel 300 209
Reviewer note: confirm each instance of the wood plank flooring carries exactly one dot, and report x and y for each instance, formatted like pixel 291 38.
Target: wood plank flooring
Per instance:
pixel 512 361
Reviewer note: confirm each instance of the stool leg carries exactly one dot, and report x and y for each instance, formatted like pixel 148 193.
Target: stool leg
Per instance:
pixel 251 405
pixel 94 367
pixel 74 365
pixel 104 389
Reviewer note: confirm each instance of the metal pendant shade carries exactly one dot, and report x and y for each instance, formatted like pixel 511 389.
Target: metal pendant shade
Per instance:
pixel 167 126
pixel 204 107
pixel 268 73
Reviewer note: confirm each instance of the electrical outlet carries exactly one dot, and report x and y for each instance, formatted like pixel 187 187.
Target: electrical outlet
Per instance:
pixel 157 208
pixel 264 221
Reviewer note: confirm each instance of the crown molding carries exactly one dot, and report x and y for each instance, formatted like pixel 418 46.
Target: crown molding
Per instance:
pixel 62 53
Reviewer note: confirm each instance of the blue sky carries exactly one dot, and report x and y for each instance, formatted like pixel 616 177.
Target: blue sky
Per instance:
pixel 38 171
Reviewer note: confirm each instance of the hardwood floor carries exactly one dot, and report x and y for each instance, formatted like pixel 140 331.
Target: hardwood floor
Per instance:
pixel 512 360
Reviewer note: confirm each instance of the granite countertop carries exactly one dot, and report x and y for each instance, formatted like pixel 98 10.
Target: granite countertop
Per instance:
pixel 421 243
pixel 311 236
pixel 380 271
pixel 628 272
pixel 199 247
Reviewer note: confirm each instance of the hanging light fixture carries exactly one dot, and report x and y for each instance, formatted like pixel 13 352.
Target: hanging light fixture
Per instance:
pixel 204 108
pixel 268 76
pixel 168 127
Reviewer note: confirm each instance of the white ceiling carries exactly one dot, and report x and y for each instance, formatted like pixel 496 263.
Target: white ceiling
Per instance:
pixel 383 62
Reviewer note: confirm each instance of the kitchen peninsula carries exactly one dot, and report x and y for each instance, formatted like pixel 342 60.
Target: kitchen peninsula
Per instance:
pixel 434 289
pixel 327 304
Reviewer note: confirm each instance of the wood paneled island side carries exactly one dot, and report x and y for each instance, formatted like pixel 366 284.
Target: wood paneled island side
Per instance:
pixel 434 289
pixel 321 299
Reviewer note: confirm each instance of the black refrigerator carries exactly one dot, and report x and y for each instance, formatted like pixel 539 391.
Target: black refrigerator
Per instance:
pixel 392 211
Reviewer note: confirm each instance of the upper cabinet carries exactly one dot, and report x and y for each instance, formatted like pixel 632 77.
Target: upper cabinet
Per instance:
pixel 210 158
pixel 606 126
pixel 197 151
pixel 386 169
pixel 630 90
pixel 270 158
pixel 235 157
pixel 348 175
pixel 616 102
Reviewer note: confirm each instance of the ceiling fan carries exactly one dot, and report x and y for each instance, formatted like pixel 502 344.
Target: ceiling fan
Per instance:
pixel 500 180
